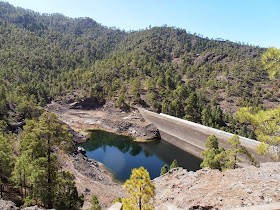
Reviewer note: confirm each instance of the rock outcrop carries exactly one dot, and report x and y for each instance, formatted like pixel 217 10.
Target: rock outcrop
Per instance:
pixel 209 57
pixel 87 103
pixel 9 205
pixel 90 168
pixel 212 189
pixel 91 178
pixel 146 132
pixel 98 116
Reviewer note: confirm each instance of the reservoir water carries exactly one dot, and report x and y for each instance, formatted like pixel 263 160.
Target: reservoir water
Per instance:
pixel 120 154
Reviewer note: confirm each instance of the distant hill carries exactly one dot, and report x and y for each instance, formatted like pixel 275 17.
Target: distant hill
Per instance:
pixel 164 68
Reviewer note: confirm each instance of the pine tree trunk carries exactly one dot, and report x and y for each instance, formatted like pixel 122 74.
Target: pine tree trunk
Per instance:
pixel 24 181
pixel 21 188
pixel 49 175
pixel 235 158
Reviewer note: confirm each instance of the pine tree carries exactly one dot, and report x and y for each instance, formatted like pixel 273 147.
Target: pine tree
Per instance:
pixel 212 154
pixel 165 106
pixel 206 117
pixel 66 194
pixel 271 61
pixel 192 109
pixel 231 157
pixel 94 203
pixel 42 102
pixel 216 157
pixel 176 107
pixel 243 131
pixel 6 160
pixel 21 173
pixel 164 170
pixel 266 125
pixel 140 189
pixel 121 100
pixel 174 164
pixel 38 142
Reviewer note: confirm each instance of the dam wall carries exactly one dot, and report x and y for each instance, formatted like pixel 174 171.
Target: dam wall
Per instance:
pixel 191 137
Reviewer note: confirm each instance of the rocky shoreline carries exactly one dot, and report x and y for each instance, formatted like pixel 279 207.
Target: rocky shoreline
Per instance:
pixel 90 115
pixel 92 177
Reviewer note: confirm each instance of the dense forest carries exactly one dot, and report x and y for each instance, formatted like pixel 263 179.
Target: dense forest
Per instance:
pixel 45 57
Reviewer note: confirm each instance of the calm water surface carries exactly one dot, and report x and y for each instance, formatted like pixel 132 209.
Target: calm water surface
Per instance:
pixel 120 154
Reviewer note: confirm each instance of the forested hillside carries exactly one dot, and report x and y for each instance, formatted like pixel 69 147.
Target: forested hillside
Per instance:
pixel 46 56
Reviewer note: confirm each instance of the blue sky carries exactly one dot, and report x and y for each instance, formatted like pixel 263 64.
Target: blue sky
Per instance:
pixel 255 22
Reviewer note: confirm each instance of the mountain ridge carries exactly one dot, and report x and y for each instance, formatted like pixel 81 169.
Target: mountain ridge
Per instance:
pixel 49 56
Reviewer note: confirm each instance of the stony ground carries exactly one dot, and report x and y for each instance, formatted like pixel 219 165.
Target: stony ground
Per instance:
pixel 5 205
pixel 9 205
pixel 180 189
pixel 106 117
pixel 92 178
pixel 222 190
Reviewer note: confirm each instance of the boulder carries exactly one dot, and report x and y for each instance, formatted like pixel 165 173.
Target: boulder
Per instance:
pixel 81 150
pixel 87 103
pixel 7 205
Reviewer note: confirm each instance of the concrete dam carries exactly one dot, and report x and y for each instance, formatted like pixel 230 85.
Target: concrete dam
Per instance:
pixel 191 137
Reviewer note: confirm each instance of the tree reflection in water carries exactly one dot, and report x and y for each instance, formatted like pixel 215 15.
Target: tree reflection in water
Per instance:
pixel 99 138
pixel 120 154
